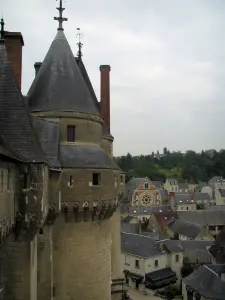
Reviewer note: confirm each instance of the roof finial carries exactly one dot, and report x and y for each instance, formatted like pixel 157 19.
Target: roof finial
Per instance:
pixel 80 45
pixel 2 29
pixel 60 19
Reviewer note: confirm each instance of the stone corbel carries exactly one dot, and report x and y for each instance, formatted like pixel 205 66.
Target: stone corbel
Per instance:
pixel 86 210
pixel 76 211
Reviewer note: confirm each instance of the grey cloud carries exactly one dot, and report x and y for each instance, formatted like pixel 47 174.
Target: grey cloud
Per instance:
pixel 167 58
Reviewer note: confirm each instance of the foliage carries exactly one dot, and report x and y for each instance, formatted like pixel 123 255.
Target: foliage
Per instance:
pixel 187 268
pixel 191 166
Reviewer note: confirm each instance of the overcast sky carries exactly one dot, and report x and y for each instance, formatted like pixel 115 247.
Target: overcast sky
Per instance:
pixel 167 59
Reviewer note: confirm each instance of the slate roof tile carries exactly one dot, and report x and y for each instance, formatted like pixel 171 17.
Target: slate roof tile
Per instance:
pixel 59 84
pixel 207 283
pixel 16 129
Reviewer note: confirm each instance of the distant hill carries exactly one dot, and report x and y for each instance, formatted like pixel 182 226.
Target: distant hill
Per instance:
pixel 190 166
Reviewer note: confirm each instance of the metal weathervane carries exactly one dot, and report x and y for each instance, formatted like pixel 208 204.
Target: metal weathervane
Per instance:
pixel 60 18
pixel 2 29
pixel 80 45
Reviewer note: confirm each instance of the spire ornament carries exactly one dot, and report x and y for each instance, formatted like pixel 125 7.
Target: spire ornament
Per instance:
pixel 60 19
pixel 2 23
pixel 80 45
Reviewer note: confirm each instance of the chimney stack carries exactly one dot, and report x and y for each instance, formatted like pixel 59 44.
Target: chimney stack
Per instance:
pixel 172 201
pixel 14 44
pixel 37 66
pixel 105 94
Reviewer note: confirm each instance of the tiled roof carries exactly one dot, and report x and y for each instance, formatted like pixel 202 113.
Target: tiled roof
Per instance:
pixel 139 245
pixel 164 218
pixel 194 250
pixel 140 210
pixel 207 283
pixel 16 129
pixel 48 133
pixel 201 196
pixel 80 156
pixel 173 246
pixel 129 228
pixel 183 185
pixel 197 251
pixel 184 199
pixel 156 236
pixel 185 228
pixel 204 217
pixel 128 219
pixel 157 184
pixel 59 84
pixel 132 184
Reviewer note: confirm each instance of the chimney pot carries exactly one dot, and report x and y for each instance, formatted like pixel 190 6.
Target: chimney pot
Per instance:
pixel 105 94
pixel 37 66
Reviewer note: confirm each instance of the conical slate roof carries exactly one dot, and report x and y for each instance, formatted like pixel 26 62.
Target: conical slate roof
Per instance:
pixel 59 85
pixel 16 130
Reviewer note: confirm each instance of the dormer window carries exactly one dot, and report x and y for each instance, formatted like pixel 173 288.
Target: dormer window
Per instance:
pixel 71 136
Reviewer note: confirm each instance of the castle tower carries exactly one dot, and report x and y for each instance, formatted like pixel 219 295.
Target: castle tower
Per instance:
pixel 81 237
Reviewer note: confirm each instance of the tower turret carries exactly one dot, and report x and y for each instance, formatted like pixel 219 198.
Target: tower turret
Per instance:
pixel 81 237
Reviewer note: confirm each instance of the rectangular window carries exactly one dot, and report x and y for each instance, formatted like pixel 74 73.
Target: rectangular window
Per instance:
pixel 177 258
pixel 71 133
pixel 121 178
pixel 71 181
pixel 95 179
pixel 156 263
pixel 137 265
pixel 146 185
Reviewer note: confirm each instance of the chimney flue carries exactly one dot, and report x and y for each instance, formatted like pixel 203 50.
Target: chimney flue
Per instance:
pixel 37 66
pixel 105 94
pixel 14 44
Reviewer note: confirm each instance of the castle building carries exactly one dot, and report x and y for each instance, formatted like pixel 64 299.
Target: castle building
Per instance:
pixel 59 185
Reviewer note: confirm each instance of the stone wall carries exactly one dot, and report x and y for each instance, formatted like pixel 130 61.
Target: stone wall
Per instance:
pixel 44 270
pixel 82 264
pixel 82 190
pixel 16 269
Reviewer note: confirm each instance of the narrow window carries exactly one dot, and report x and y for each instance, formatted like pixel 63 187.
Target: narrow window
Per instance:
pixel 121 178
pixel 156 263
pixel 8 179
pixel 71 181
pixel 146 185
pixel 137 265
pixel 2 179
pixel 95 179
pixel 177 258
pixel 25 181
pixel 71 133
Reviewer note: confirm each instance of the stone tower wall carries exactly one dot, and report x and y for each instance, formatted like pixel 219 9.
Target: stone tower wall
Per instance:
pixel 81 256
pixel 81 189
pixel 107 145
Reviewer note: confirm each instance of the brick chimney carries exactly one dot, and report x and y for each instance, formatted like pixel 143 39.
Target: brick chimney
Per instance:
pixel 37 66
pixel 14 44
pixel 172 201
pixel 105 94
